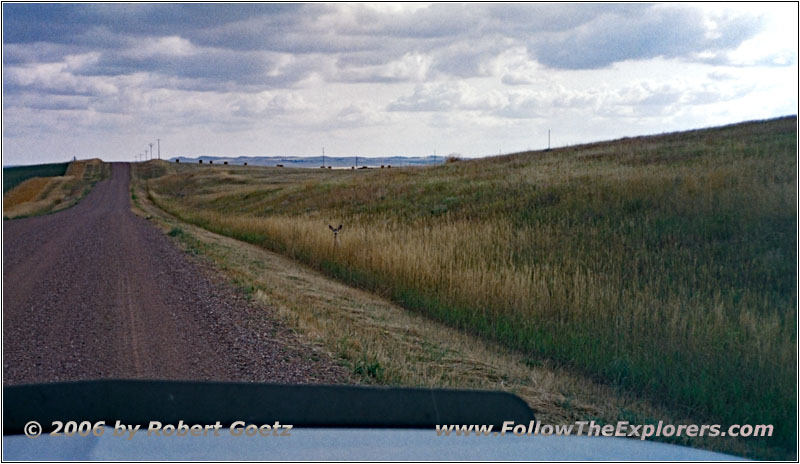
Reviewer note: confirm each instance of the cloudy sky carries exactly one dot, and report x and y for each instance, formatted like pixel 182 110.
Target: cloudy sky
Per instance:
pixel 381 79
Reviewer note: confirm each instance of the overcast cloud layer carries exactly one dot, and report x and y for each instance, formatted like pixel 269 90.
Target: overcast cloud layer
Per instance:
pixel 104 80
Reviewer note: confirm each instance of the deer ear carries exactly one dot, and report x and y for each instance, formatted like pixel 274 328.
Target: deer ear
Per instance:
pixel 330 227
pixel 340 227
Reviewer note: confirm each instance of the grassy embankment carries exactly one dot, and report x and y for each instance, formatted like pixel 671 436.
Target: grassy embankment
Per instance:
pixel 663 264
pixel 15 175
pixel 46 188
pixel 382 343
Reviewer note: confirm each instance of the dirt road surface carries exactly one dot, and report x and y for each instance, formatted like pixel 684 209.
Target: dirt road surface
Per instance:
pixel 97 292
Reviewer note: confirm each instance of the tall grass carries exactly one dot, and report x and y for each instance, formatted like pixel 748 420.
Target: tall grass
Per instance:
pixel 664 264
pixel 26 191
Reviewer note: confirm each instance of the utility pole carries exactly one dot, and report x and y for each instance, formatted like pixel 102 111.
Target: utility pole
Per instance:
pixel 159 148
pixel 356 160
pixel 548 139
pixel 323 157
pixel 151 150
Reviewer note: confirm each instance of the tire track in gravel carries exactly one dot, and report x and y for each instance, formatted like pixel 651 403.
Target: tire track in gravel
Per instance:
pixel 95 291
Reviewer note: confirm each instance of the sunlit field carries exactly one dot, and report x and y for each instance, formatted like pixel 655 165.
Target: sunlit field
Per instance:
pixel 661 264
pixel 46 188
pixel 15 175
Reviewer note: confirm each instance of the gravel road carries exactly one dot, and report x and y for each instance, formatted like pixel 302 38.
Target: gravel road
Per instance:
pixel 95 291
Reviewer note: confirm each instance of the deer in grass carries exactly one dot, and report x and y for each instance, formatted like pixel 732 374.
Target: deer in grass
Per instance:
pixel 335 231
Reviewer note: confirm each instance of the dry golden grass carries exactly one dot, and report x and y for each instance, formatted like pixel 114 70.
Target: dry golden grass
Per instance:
pixel 27 191
pixel 662 264
pixel 383 343
pixel 41 195
pixel 76 168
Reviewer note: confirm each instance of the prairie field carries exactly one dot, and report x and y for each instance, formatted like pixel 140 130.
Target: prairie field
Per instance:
pixel 12 176
pixel 46 188
pixel 664 265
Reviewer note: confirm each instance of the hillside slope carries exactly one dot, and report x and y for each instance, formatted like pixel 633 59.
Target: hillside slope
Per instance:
pixel 664 264
pixel 47 188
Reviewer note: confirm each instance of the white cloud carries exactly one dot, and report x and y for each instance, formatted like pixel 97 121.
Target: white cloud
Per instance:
pixel 384 77
pixel 411 67
pixel 269 103
pixel 360 114
pixel 59 77
pixel 162 46
pixel 445 96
